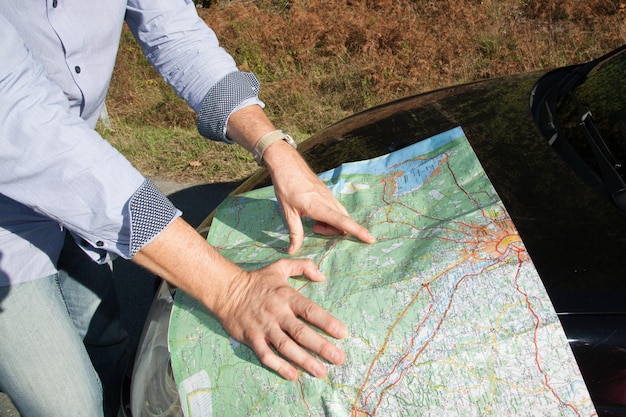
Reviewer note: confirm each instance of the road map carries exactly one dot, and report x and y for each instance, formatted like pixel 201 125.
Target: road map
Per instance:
pixel 446 312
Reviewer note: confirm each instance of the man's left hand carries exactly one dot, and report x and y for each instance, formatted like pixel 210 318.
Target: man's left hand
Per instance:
pixel 301 193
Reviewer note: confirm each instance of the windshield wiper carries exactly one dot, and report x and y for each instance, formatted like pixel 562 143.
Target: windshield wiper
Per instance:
pixel 547 97
pixel 608 164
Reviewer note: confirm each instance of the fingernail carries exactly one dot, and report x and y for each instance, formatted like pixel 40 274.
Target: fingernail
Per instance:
pixel 292 375
pixel 344 333
pixel 337 358
pixel 320 370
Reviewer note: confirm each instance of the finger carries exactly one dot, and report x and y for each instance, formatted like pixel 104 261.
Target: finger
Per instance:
pixel 312 341
pixel 296 231
pixel 345 224
pixel 326 229
pixel 302 306
pixel 294 352
pixel 297 267
pixel 318 317
pixel 271 360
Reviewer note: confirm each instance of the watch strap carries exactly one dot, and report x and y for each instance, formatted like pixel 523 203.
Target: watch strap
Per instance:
pixel 268 139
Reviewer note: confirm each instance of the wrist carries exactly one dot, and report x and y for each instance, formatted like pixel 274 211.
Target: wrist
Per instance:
pixel 268 140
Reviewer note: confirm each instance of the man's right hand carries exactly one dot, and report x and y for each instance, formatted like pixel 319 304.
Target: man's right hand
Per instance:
pixel 263 311
pixel 258 308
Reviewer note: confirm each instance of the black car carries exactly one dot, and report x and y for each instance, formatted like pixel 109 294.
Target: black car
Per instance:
pixel 551 143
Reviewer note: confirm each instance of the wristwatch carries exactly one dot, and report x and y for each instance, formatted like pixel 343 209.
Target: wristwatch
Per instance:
pixel 266 140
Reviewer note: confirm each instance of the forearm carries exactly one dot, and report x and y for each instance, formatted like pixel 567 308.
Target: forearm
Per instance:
pixel 247 125
pixel 182 257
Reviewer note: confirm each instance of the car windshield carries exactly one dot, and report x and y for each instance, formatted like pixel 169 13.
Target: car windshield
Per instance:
pixel 590 107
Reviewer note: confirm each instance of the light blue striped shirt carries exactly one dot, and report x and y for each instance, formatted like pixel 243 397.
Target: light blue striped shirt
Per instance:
pixel 56 172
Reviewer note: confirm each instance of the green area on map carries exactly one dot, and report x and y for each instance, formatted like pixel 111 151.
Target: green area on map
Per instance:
pixel 446 312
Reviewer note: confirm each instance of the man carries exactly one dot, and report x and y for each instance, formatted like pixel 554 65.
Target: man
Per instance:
pixel 67 197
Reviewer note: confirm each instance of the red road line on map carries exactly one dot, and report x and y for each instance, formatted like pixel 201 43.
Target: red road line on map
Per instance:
pixel 426 286
pixel 535 331
pixel 469 195
pixel 396 322
pixel 439 324
pixel 306 404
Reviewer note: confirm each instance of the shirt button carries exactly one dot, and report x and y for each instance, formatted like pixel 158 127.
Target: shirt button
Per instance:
pixel 99 243
pixel 77 69
pixel 54 4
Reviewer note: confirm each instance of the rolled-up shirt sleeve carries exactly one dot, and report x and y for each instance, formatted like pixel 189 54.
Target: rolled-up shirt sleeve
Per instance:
pixel 187 53
pixel 54 163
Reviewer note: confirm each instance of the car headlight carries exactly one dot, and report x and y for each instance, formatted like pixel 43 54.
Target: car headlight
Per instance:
pixel 153 390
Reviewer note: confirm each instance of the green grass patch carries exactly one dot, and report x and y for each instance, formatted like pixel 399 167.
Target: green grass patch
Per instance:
pixel 179 153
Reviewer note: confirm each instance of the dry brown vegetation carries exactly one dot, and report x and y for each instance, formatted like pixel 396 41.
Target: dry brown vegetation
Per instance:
pixel 321 60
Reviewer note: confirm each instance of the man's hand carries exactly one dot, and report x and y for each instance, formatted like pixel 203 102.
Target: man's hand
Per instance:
pixel 301 193
pixel 269 316
pixel 258 308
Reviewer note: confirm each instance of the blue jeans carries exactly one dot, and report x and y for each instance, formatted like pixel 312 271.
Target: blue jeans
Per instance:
pixel 61 341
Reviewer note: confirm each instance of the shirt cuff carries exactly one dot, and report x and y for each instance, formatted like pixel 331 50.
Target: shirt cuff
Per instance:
pixel 150 213
pixel 222 99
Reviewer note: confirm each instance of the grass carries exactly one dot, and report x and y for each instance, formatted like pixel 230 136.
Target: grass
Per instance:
pixel 322 60
pixel 179 154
